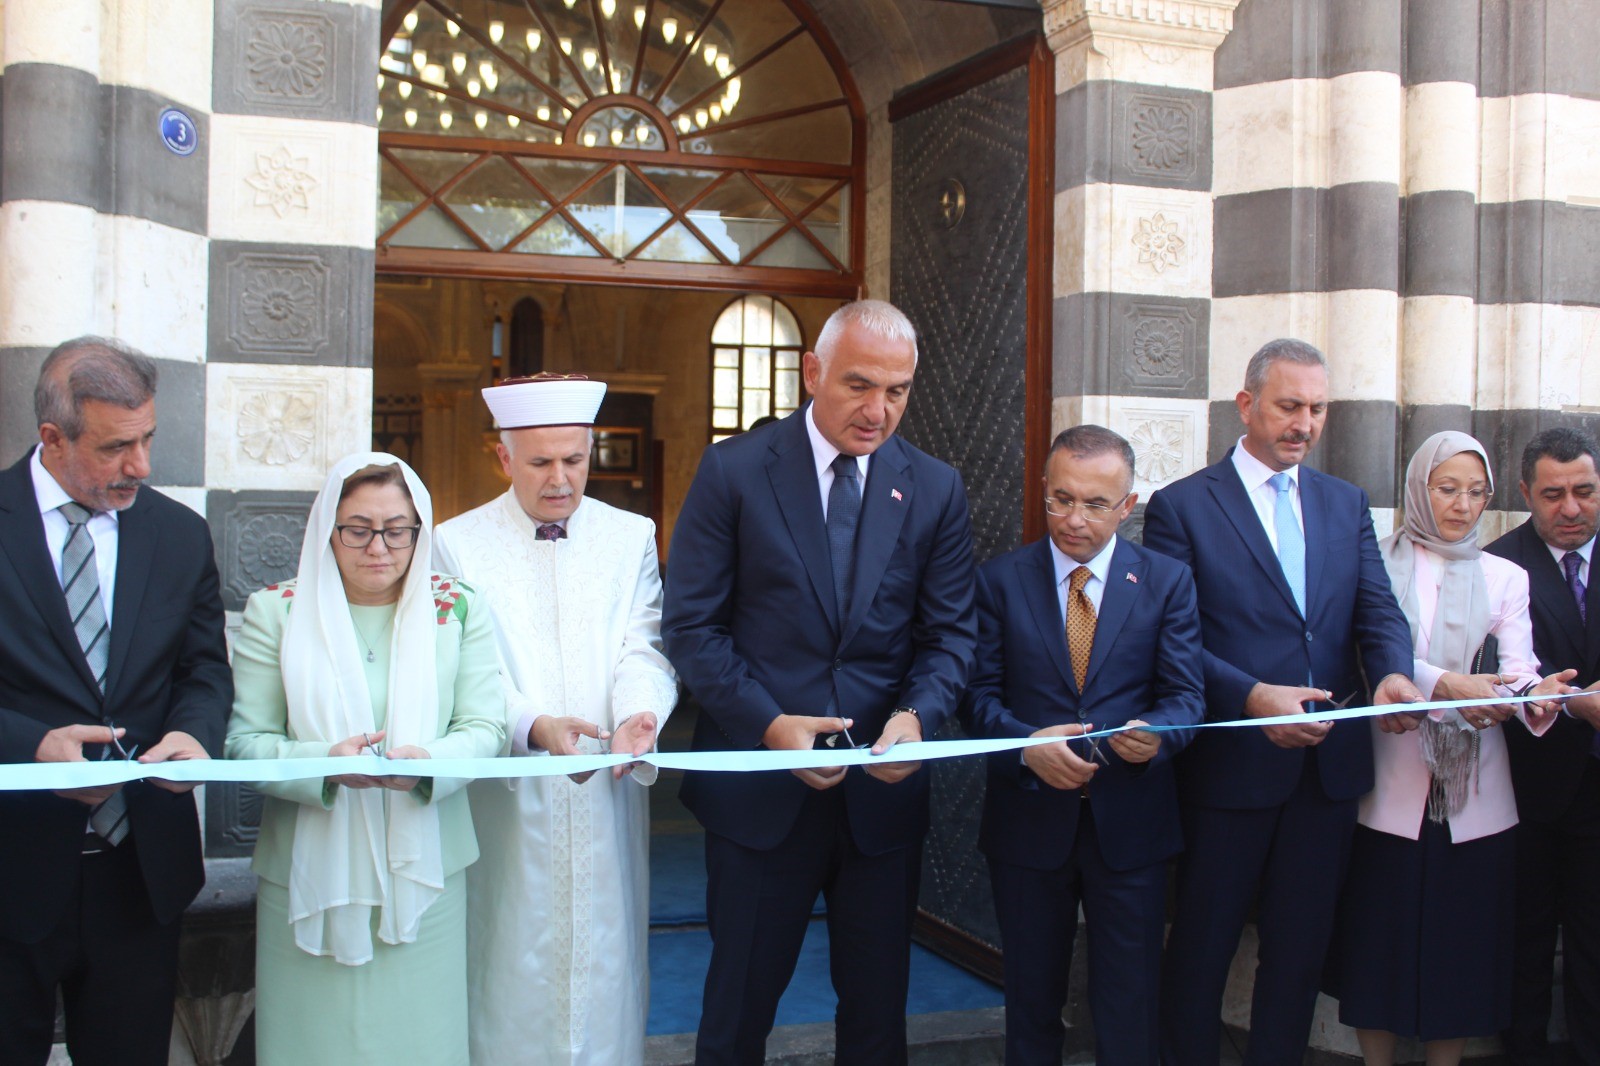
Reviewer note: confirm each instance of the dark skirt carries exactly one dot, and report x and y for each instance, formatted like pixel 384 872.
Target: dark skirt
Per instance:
pixel 1425 933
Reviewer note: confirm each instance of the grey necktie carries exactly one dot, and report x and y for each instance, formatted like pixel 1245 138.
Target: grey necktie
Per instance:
pixel 844 512
pixel 80 582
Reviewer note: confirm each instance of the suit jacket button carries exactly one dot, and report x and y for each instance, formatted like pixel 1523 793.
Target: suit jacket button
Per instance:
pixel 838 664
pixel 1308 636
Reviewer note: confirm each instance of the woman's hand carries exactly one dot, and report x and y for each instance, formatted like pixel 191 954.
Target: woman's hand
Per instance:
pixel 1475 687
pixel 404 784
pixel 354 746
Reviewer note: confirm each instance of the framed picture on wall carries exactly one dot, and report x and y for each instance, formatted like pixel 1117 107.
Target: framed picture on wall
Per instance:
pixel 618 451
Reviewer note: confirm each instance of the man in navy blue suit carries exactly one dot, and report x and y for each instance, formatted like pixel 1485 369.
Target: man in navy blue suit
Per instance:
pixel 1077 632
pixel 819 591
pixel 1295 608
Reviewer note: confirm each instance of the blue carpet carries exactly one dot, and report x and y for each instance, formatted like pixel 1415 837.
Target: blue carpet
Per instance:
pixel 679 957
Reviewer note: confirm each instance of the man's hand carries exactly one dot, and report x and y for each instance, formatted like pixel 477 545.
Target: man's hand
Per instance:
pixel 1136 745
pixel 1397 688
pixel 174 747
pixel 559 736
pixel 1056 764
pixel 635 736
pixel 1271 701
pixel 899 727
pixel 1557 684
pixel 798 732
pixel 1587 707
pixel 66 745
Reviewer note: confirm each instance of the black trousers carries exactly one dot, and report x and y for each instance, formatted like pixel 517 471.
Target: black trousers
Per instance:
pixel 758 904
pixel 1558 883
pixel 1126 914
pixel 116 967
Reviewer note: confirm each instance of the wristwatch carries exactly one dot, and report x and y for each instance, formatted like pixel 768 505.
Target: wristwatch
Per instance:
pixel 906 709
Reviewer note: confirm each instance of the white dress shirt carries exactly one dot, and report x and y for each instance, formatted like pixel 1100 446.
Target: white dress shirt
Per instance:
pixel 1095 588
pixel 102 530
pixel 1255 475
pixel 824 454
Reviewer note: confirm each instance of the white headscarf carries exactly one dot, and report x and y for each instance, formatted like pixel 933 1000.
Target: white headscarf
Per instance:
pixel 375 847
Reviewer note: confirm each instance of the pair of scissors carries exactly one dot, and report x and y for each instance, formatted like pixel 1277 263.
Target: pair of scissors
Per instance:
pixel 126 754
pixel 376 749
pixel 1095 754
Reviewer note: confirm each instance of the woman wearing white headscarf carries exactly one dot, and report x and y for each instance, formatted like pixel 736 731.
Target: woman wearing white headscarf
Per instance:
pixel 361 909
pixel 1424 944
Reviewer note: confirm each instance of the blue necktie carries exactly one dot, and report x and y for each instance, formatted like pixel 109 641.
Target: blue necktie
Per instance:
pixel 1291 540
pixel 844 511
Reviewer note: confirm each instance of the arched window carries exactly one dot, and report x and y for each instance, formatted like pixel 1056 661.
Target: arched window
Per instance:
pixel 755 364
pixel 641 141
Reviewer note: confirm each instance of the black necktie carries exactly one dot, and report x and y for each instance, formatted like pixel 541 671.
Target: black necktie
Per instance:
pixel 844 512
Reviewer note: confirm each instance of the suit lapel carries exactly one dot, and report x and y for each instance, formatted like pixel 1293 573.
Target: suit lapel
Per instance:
pixel 22 543
pixel 1313 511
pixel 1240 511
pixel 1546 582
pixel 793 473
pixel 1041 591
pixel 136 543
pixel 1116 601
pixel 885 502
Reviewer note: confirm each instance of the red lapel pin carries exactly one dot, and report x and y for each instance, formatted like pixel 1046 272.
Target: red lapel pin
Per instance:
pixel 1131 578
pixel 896 494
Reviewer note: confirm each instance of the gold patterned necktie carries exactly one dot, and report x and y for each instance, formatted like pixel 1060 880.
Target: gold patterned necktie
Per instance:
pixel 1080 624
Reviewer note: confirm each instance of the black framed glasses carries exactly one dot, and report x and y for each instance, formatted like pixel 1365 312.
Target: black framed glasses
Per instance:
pixel 394 537
pixel 1090 512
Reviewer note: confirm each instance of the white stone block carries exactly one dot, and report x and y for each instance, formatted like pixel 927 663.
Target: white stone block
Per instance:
pixel 275 179
pixel 1242 324
pixel 1270 136
pixel 1510 355
pixel 161 45
pixel 151 281
pixel 1363 344
pixel 283 427
pixel 1439 344
pixel 48 253
pixel 1442 137
pixel 190 497
pixel 1124 238
pixel 1514 148
pixel 1168 436
pixel 1173 63
pixel 1366 119
pixel 1574 158
pixel 67 33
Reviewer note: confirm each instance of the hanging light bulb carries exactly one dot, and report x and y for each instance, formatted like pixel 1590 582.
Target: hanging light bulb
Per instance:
pixel 491 76
pixel 616 81
pixel 480 119
pixel 733 92
pixel 411 21
pixel 543 113
pixel 701 118
pixel 533 40
pixel 405 90
pixel 458 62
pixel 513 121
pixel 716 112
pixel 588 140
pixel 411 116
pixel 710 55
pixel 608 7
pixel 569 3
pixel 434 73
pixel 669 29
pixel 419 58
pixel 566 45
pixel 380 112
pixel 451 28
pixel 445 118
pixel 380 82
pixel 684 124
pixel 589 55
pixel 558 138
pixel 641 134
pixel 616 136
pixel 724 64
pixel 638 18
pixel 497 30
pixel 474 87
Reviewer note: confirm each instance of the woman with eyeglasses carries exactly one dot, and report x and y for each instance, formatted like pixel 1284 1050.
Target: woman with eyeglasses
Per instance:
pixel 361 908
pixel 1423 948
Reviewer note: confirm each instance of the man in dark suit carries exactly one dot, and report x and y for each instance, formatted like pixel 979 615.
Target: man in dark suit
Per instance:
pixel 111 643
pixel 1292 590
pixel 801 605
pixel 1557 776
pixel 1081 631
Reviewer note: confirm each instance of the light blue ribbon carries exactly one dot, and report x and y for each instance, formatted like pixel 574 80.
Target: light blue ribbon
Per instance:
pixel 64 775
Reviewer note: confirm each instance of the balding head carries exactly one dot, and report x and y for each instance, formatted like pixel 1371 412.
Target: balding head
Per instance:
pixel 90 368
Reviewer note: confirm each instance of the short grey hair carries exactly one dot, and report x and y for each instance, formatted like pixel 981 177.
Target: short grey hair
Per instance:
pixel 1087 441
pixel 506 437
pixel 876 317
pixel 91 368
pixel 1282 350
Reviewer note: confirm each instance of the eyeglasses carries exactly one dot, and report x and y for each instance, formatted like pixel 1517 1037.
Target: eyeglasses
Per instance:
pixel 1448 493
pixel 1091 512
pixel 394 537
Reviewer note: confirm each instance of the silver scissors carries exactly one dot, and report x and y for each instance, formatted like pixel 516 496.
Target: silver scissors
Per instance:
pixel 1095 754
pixel 126 754
pixel 376 749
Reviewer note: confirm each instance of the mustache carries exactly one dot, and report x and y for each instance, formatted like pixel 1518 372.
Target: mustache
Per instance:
pixel 1295 437
pixel 126 483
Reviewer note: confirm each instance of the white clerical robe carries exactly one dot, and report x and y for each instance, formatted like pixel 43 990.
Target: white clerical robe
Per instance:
pixel 559 903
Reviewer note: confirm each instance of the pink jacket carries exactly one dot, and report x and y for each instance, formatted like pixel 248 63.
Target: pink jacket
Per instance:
pixel 1398 801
